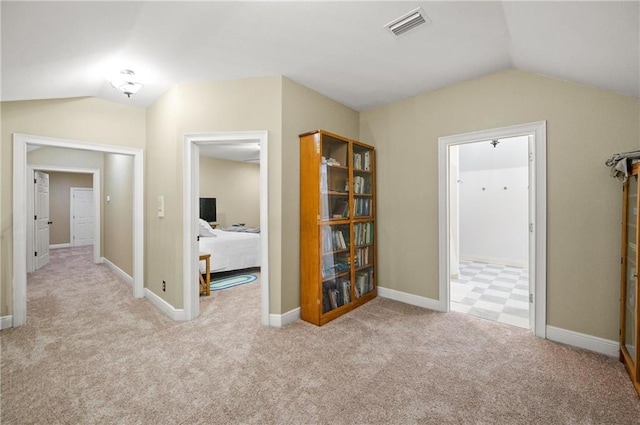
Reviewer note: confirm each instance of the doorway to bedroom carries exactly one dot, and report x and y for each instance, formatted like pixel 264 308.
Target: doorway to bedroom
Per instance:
pixel 228 220
pixel 229 228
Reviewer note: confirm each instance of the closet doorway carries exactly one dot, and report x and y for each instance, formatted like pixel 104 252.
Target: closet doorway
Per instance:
pixel 492 216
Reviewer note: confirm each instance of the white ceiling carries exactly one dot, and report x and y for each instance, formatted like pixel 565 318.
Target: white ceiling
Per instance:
pixel 236 150
pixel 512 152
pixel 340 49
pixel 65 49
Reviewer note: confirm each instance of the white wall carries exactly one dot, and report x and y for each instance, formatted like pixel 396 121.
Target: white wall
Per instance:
pixel 494 220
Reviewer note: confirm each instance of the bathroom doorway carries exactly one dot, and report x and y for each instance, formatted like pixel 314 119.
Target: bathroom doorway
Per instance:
pixel 489 216
pixel 449 217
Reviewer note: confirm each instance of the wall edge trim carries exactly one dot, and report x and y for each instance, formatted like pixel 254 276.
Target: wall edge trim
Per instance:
pixel 411 299
pixel 580 340
pixel 118 271
pixel 176 314
pixel 284 319
pixel 6 322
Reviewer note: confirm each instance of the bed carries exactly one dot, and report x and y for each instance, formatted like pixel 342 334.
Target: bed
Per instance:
pixel 230 250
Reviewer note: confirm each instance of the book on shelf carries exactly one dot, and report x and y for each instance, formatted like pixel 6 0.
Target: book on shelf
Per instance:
pixel 364 282
pixel 340 208
pixel 357 161
pixel 362 161
pixel 363 233
pixel 335 293
pixel 362 256
pixel 362 207
pixel 361 185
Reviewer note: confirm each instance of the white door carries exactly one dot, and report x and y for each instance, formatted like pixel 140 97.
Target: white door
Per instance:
pixel 41 208
pixel 81 216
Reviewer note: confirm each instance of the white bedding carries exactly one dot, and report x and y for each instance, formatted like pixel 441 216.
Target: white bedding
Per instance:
pixel 230 250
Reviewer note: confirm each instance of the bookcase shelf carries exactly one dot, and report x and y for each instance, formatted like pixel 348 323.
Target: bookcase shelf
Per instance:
pixel 337 226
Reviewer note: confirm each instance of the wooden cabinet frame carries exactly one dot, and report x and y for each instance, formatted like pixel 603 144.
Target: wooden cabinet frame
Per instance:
pixel 631 223
pixel 316 219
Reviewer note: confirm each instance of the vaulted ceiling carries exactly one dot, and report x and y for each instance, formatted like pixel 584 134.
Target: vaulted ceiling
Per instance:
pixel 340 49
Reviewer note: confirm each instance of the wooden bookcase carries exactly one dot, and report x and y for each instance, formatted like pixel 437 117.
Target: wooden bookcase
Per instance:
pixel 337 225
pixel 629 290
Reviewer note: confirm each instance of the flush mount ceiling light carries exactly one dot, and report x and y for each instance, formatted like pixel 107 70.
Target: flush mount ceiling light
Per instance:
pixel 126 82
pixel 407 21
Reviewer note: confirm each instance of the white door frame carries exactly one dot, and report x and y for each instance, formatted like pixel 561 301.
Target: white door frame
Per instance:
pixel 191 293
pixel 72 213
pixel 96 206
pixel 20 190
pixel 537 215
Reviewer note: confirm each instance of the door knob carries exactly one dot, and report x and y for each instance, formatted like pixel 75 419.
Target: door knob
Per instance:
pixel 49 222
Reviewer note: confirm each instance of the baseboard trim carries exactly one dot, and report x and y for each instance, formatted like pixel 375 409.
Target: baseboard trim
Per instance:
pixel 407 298
pixel 6 322
pixel 176 314
pixel 495 260
pixel 118 271
pixel 280 320
pixel 580 340
pixel 60 245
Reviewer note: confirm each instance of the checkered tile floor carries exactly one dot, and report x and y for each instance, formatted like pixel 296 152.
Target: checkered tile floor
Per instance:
pixel 493 292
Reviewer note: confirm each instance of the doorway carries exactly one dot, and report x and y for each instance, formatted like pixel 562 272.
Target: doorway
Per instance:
pixel 489 220
pixel 22 235
pixel 193 142
pixel 59 220
pixel 536 278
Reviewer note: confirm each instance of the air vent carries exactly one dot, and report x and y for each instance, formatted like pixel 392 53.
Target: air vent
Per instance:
pixel 408 21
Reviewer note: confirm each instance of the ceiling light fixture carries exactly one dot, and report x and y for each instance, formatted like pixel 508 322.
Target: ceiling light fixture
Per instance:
pixel 126 82
pixel 407 21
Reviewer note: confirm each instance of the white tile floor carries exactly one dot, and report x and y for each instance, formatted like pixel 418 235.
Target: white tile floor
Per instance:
pixel 492 291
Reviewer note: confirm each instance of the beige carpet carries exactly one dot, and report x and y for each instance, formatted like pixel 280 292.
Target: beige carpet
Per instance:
pixel 91 354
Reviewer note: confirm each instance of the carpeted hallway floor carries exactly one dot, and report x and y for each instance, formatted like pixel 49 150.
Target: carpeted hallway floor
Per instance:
pixel 92 354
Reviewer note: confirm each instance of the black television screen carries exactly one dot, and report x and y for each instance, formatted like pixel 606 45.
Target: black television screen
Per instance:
pixel 208 209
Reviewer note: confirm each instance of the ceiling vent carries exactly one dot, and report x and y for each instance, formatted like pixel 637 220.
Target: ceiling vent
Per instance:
pixel 408 21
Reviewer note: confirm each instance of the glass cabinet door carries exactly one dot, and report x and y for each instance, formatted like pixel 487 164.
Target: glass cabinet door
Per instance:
pixel 363 258
pixel 334 179
pixel 629 290
pixel 336 267
pixel 362 181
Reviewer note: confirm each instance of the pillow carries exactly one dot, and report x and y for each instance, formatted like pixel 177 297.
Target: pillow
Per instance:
pixel 206 230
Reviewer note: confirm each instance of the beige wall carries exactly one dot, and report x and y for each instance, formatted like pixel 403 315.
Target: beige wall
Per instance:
pixel 85 119
pixel 72 158
pixel 303 110
pixel 117 214
pixel 162 242
pixel 584 127
pixel 278 105
pixel 59 203
pixel 236 187
pixel 242 105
